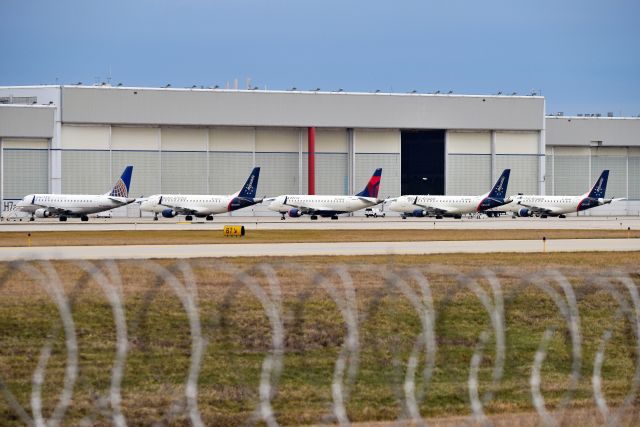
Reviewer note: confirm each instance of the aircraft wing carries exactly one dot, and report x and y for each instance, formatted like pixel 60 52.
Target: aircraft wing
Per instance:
pixel 433 210
pixel 536 209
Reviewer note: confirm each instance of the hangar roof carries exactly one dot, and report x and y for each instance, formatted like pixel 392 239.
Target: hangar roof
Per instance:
pixel 213 107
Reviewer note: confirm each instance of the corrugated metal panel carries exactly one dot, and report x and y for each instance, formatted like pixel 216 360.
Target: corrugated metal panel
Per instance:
pixel 278 140
pixel 232 139
pixel 26 121
pixel 377 141
pixel 145 179
pixel 468 142
pixel 25 171
pixel 85 137
pixel 184 139
pixel 572 175
pixel 278 174
pixel 581 131
pixel 634 178
pixel 549 177
pixel 366 164
pixel 517 142
pixel 296 109
pixel 468 174
pixel 524 172
pixel 86 172
pixel 331 173
pixel 617 183
pixel 184 173
pixel 229 171
pixel 134 138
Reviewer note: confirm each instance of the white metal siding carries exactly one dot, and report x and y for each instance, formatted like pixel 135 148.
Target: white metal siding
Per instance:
pixel 517 143
pixel 524 172
pixel 278 140
pixel 377 141
pixel 134 138
pixel 617 165
pixel 278 174
pixel 468 142
pixel 571 175
pixel 85 137
pixel 331 141
pixel 184 139
pixel 232 139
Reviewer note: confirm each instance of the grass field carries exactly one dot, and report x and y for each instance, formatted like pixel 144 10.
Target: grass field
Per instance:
pixel 238 336
pixel 82 238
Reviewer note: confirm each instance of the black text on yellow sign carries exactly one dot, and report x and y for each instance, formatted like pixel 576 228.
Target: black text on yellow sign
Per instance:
pixel 234 230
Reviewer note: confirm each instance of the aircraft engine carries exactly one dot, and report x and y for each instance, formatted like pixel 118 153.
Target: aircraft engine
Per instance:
pixel 295 213
pixel 524 212
pixel 42 213
pixel 419 213
pixel 169 213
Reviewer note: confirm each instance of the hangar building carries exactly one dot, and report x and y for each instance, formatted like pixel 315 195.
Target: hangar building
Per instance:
pixel 77 139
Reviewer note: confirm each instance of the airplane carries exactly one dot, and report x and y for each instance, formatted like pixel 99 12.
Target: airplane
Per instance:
pixel 203 206
pixel 66 206
pixel 544 206
pixel 328 206
pixel 452 206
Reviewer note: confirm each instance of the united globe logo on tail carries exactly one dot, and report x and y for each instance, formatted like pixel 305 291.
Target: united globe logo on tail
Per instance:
pixel 121 187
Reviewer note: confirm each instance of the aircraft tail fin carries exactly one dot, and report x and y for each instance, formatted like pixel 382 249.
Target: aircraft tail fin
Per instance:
pixel 600 187
pixel 121 187
pixel 251 186
pixel 371 190
pixel 499 190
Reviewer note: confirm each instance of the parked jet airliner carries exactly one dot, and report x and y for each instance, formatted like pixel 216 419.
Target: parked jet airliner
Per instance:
pixel 544 206
pixel 203 206
pixel 328 206
pixel 453 206
pixel 64 206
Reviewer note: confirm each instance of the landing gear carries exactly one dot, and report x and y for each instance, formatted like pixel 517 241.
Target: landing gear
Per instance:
pixel 188 218
pixel 438 216
pixel 282 219
pixel 84 218
pixel 63 218
pixel 543 216
pixel 404 216
pixel 334 217
pixel 562 216
pixel 155 216
pixel 457 216
pixel 32 218
pixel 314 217
pixel 209 218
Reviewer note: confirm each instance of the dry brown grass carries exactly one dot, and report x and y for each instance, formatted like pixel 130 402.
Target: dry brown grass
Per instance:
pixel 173 237
pixel 239 334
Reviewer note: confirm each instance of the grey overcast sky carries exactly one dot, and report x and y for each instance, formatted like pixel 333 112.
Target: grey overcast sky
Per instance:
pixel 583 55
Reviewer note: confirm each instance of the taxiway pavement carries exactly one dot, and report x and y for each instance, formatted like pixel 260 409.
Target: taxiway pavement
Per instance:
pixel 318 249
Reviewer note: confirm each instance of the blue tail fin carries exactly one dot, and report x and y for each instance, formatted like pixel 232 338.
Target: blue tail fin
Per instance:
pixel 371 190
pixel 121 188
pixel 251 186
pixel 600 187
pixel 499 190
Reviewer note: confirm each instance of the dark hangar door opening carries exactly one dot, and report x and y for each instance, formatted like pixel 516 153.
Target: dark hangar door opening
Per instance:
pixel 422 162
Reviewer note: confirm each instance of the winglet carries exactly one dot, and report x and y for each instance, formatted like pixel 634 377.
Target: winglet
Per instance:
pixel 121 187
pixel 600 187
pixel 371 190
pixel 251 186
pixel 499 190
